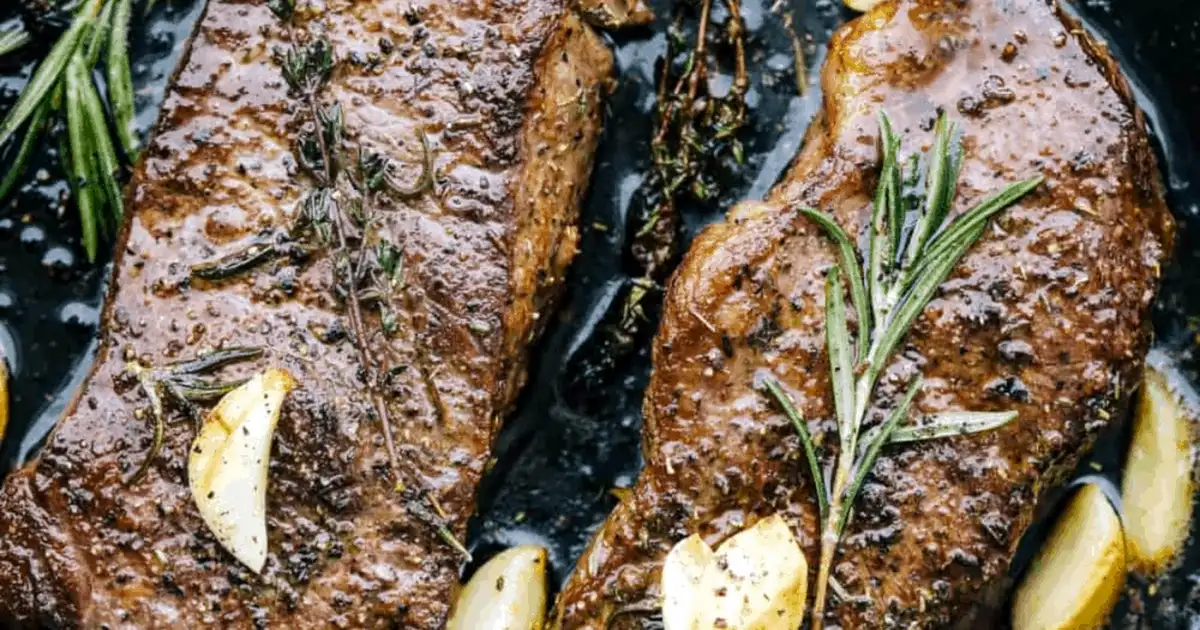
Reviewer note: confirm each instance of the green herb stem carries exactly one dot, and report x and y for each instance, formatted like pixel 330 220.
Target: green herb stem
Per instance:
pixel 83 167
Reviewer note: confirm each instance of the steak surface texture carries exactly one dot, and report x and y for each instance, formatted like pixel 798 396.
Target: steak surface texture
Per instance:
pixel 1047 314
pixel 507 95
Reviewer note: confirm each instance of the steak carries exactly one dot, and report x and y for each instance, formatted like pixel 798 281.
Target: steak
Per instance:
pixel 1047 314
pixel 505 95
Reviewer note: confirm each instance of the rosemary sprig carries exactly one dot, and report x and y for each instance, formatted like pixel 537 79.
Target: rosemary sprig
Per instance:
pixel 904 270
pixel 184 384
pixel 62 89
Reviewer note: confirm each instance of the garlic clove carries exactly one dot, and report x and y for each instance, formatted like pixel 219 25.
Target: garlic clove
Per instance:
pixel 229 461
pixel 685 582
pixel 1079 572
pixel 756 580
pixel 1157 487
pixel 506 593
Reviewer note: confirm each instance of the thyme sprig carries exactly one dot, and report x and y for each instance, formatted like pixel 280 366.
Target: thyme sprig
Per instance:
pixel 184 384
pixel 694 129
pixel 904 269
pixel 367 268
pixel 695 137
pixel 62 89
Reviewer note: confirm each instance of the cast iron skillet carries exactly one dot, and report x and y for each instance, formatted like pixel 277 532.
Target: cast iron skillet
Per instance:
pixel 574 438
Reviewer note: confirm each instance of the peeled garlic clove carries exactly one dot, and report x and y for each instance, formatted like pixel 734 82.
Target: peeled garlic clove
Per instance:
pixel 1157 488
pixel 756 580
pixel 506 593
pixel 228 463
pixel 685 584
pixel 1077 576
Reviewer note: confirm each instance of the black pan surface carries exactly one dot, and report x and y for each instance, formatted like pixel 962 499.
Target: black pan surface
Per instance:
pixel 574 438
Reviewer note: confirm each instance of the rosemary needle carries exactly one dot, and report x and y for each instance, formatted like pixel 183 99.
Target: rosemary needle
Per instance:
pixel 810 451
pixel 120 81
pixel 82 167
pixel 13 39
pixel 99 34
pixel 25 151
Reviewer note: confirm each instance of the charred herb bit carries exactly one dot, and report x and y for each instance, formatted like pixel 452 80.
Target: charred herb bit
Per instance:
pixel 184 384
pixel 904 270
pixel 341 214
pixel 62 89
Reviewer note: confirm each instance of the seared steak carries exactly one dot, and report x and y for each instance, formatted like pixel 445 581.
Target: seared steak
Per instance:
pixel 1047 315
pixel 507 95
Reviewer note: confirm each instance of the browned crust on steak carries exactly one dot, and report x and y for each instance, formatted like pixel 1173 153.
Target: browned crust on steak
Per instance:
pixel 1047 315
pixel 508 93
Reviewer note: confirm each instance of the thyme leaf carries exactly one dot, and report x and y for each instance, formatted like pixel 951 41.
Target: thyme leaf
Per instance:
pixel 904 271
pixel 283 9
pixel 307 68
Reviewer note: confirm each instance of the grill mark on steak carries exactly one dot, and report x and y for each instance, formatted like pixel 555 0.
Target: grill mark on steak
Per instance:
pixel 1047 315
pixel 508 93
